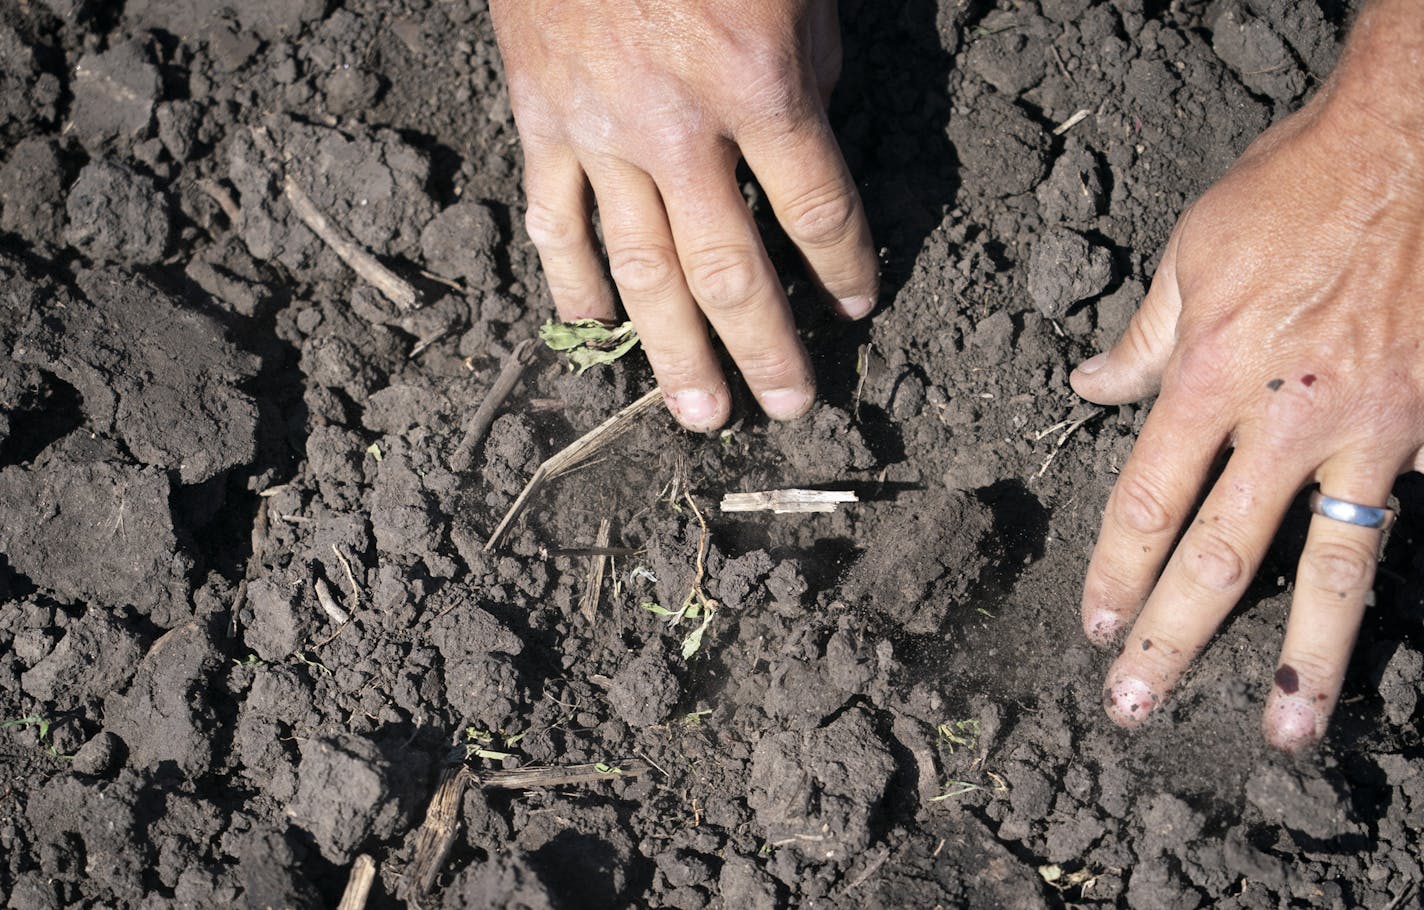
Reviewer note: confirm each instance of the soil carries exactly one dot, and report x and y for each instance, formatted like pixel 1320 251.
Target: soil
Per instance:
pixel 204 414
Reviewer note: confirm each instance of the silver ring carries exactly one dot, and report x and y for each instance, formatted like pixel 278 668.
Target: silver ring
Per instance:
pixel 1351 513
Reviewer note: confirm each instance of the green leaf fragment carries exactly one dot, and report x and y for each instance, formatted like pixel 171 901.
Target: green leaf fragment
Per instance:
pixel 491 754
pixel 605 768
pixel 374 450
pixel 693 642
pixel 657 608
pixel 589 342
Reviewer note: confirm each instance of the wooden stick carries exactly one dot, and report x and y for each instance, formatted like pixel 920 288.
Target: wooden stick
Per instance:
pixel 575 453
pixel 784 501
pixel 477 427
pixel 361 262
pixel 588 605
pixel 358 886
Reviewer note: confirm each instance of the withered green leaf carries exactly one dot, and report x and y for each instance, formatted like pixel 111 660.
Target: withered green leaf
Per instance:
pixel 588 342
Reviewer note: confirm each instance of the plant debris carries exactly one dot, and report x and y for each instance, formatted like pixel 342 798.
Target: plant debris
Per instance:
pixel 588 342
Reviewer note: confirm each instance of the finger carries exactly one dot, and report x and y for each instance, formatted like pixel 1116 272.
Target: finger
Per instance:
pixel 1151 499
pixel 644 265
pixel 815 199
pixel 734 284
pixel 558 223
pixel 1132 369
pixel 1206 576
pixel 1333 579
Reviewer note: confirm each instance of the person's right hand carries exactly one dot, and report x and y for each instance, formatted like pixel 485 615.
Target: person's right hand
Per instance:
pixel 654 103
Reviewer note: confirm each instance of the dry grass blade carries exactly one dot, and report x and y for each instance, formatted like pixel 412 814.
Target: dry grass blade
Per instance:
pixel 784 501
pixel 361 262
pixel 437 832
pixel 477 427
pixel 358 886
pixel 574 454
pixel 588 604
pixel 559 775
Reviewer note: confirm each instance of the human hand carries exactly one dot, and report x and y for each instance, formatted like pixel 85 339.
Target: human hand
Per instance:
pixel 1285 322
pixel 653 104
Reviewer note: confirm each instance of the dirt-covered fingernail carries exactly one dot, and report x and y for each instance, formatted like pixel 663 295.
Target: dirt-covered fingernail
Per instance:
pixel 855 307
pixel 1092 364
pixel 1104 629
pixel 1128 700
pixel 696 408
pixel 1292 725
pixel 785 404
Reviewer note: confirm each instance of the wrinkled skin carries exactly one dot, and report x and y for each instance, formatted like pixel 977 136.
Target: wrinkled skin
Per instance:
pixel 652 103
pixel 1284 323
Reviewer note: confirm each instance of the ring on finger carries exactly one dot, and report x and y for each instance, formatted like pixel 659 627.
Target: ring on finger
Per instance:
pixel 1377 518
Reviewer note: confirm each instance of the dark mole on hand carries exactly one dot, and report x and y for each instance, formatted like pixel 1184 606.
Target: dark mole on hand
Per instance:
pixel 1287 680
pixel 1275 384
pixel 1147 644
pixel 1308 380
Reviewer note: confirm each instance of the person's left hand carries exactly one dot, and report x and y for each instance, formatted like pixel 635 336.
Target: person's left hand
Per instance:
pixel 1285 323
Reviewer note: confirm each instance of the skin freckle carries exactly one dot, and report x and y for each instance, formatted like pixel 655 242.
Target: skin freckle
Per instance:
pixel 1275 384
pixel 1147 644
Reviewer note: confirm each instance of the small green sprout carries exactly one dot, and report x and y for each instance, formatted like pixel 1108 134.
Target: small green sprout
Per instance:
pixel 477 740
pixel 589 342
pixel 42 724
pixel 605 768
pixel 963 734
pixel 313 664
pixel 34 720
pixel 657 608
pixel 694 718
pixel 956 788
pixel 374 450
pixel 251 660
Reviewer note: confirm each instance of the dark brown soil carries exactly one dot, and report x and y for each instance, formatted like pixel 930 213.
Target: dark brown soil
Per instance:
pixel 203 414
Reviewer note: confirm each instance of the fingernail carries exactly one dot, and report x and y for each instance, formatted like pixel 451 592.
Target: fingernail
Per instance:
pixel 1292 724
pixel 1129 701
pixel 1092 364
pixel 855 307
pixel 695 407
pixel 785 404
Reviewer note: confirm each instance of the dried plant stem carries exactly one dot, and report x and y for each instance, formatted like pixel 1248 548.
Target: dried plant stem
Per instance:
pixel 361 262
pixel 574 454
pixel 477 427
pixel 358 886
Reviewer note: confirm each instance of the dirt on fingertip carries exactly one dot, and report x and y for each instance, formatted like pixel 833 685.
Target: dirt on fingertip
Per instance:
pixel 248 622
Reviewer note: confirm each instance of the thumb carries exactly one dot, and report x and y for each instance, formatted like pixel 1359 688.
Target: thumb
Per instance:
pixel 1132 369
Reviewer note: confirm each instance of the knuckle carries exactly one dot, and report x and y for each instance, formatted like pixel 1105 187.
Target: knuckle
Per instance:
pixel 1212 561
pixel 676 367
pixel 1139 503
pixel 1310 671
pixel 1339 568
pixel 1201 369
pixel 778 366
pixel 824 216
pixel 724 279
pixel 549 228
pixel 643 269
